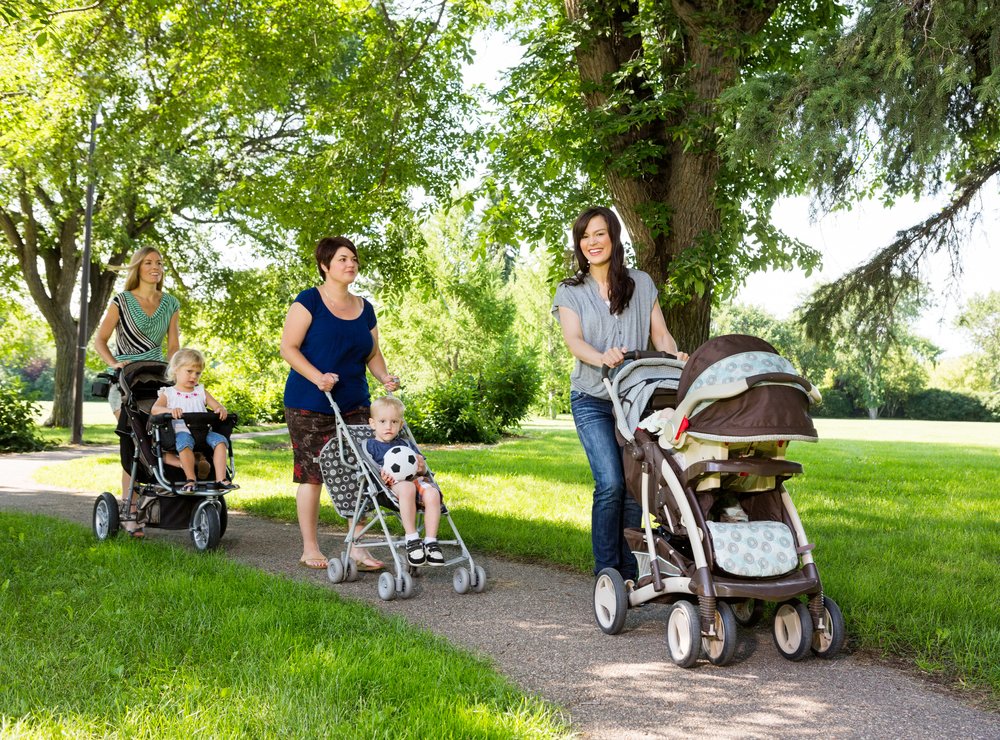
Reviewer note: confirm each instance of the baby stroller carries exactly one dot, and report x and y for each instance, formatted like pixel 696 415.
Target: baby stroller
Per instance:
pixel 156 499
pixel 696 437
pixel 357 489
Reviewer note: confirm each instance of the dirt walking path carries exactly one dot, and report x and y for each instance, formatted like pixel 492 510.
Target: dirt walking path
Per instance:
pixel 536 625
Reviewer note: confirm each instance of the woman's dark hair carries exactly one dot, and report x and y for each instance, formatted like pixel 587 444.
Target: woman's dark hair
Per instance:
pixel 620 284
pixel 327 247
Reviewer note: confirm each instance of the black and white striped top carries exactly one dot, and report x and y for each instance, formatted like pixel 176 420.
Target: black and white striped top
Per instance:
pixel 139 336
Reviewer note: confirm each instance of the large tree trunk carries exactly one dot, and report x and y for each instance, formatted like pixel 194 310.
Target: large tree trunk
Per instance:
pixel 46 231
pixel 678 180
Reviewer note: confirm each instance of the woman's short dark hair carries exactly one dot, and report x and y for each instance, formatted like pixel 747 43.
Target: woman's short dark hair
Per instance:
pixel 620 283
pixel 327 247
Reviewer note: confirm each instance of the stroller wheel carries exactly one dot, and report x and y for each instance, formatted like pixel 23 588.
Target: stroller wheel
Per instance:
pixel 721 649
pixel 748 612
pixel 793 630
pixel 462 580
pixel 406 589
pixel 828 641
pixel 335 570
pixel 610 601
pixel 105 517
pixel 480 583
pixel 206 529
pixel 351 573
pixel 684 634
pixel 386 587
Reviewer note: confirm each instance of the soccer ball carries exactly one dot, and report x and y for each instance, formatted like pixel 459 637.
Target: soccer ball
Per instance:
pixel 401 463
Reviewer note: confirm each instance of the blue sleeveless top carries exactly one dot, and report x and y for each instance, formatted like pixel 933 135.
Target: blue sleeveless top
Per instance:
pixel 333 345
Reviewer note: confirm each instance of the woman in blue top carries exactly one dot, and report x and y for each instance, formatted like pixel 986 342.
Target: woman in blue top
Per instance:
pixel 330 337
pixel 606 310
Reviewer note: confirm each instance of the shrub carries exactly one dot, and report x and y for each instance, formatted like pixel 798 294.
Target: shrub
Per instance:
pixel 508 388
pixel 450 412
pixel 256 401
pixel 18 431
pixel 835 405
pixel 935 404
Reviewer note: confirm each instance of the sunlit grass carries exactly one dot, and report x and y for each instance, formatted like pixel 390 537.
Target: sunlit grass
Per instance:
pixel 124 640
pixel 907 533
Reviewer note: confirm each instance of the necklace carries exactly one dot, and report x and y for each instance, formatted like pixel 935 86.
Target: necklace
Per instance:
pixel 333 302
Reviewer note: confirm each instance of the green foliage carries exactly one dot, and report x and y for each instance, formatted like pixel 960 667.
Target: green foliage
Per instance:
pixel 18 432
pixel 981 320
pixel 450 412
pixel 219 122
pixel 836 404
pixel 902 101
pixel 939 405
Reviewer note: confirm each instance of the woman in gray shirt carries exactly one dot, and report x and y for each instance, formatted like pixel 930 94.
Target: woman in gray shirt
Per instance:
pixel 606 310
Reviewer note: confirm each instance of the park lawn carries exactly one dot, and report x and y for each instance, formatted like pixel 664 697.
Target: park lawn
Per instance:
pixel 906 533
pixel 124 639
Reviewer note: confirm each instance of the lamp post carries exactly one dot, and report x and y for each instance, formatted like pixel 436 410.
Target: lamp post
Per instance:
pixel 81 349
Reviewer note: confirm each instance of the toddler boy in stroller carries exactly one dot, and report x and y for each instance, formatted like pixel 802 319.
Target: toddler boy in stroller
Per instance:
pixel 386 421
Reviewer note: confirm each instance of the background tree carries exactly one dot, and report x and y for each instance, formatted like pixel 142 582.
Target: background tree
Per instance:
pixel 620 101
pixel 902 102
pixel 981 320
pixel 281 126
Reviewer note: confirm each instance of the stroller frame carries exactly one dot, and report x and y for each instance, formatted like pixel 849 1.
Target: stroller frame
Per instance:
pixel 705 605
pixel 347 452
pixel 154 498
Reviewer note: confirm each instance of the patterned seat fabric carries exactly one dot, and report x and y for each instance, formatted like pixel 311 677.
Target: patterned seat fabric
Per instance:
pixel 753 549
pixel 343 477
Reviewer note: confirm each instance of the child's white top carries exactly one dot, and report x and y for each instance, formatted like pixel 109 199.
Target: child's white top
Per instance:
pixel 189 403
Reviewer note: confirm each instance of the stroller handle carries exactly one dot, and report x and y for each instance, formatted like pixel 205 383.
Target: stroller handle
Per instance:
pixel 637 355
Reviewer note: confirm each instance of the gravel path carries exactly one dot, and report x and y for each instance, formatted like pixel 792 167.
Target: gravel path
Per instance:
pixel 536 624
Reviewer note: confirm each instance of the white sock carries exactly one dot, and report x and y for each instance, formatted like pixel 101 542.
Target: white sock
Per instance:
pixel 412 536
pixel 429 540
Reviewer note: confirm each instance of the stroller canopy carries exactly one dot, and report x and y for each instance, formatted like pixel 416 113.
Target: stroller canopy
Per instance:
pixel 769 409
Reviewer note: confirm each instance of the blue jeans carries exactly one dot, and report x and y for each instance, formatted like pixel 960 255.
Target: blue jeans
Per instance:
pixel 185 440
pixel 614 509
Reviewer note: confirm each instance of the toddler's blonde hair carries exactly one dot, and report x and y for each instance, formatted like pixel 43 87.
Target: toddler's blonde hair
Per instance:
pixel 387 401
pixel 182 358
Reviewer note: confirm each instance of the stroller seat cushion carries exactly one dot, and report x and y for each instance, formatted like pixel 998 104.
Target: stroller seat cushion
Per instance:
pixel 754 549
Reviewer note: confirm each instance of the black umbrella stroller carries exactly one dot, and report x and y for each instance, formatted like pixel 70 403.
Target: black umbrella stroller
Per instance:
pixel 155 498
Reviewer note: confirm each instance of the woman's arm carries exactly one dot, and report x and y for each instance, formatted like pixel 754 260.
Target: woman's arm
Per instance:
pixel 376 364
pixel 173 335
pixel 104 332
pixel 661 337
pixel 297 323
pixel 572 331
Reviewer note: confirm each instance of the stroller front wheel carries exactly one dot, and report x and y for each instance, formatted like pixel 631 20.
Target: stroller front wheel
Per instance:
pixel 684 634
pixel 335 570
pixel 206 527
pixel 828 641
pixel 720 649
pixel 793 630
pixel 610 601
pixel 386 587
pixel 106 520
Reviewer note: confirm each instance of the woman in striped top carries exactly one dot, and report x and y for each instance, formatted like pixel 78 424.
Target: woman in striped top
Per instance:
pixel 140 317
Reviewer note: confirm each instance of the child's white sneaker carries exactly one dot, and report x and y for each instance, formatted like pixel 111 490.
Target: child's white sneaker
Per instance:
pixel 434 554
pixel 415 554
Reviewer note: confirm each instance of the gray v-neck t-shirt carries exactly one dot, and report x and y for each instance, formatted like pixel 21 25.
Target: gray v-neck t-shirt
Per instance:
pixel 602 329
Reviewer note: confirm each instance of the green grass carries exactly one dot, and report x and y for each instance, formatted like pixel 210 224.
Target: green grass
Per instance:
pixel 907 532
pixel 124 640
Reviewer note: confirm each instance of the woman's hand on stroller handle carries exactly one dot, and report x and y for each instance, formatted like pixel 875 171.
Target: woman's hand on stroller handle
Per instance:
pixel 639 355
pixel 326 381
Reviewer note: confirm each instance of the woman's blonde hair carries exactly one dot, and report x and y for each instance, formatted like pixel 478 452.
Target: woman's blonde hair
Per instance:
pixel 182 358
pixel 132 276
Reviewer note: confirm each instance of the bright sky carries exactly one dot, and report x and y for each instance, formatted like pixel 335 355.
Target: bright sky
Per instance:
pixel 847 239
